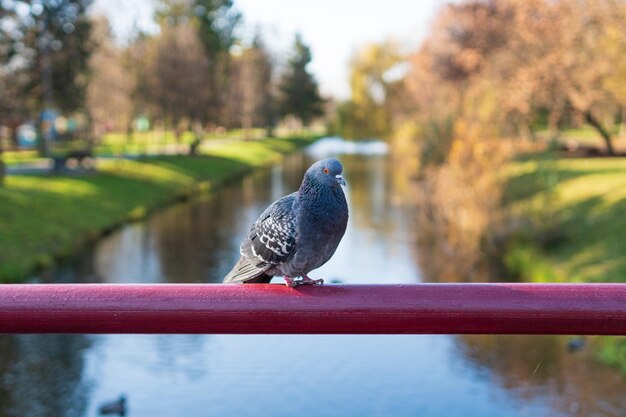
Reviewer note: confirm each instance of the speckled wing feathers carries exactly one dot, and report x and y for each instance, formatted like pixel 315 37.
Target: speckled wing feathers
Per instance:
pixel 271 241
pixel 272 237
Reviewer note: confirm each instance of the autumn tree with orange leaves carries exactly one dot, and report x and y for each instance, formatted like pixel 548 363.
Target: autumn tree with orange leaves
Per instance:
pixel 503 62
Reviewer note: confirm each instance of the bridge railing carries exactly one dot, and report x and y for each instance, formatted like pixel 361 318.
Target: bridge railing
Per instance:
pixel 329 309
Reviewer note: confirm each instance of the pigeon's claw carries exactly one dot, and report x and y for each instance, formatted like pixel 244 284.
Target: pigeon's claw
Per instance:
pixel 293 282
pixel 308 281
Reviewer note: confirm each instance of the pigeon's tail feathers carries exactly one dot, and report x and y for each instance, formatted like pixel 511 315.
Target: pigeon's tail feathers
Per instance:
pixel 245 273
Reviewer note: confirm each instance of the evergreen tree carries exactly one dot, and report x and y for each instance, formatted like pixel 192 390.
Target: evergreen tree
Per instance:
pixel 299 95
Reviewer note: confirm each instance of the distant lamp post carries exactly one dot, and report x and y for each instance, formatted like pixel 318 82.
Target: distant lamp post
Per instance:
pixel 44 43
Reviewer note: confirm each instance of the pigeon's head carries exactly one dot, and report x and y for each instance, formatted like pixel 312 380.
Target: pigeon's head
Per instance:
pixel 327 172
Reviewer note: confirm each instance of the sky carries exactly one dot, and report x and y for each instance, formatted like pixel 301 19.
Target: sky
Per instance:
pixel 334 29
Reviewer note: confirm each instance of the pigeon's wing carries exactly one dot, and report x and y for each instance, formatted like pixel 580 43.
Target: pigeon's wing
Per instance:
pixel 271 241
pixel 272 238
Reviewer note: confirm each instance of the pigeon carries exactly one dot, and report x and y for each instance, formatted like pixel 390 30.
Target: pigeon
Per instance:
pixel 297 233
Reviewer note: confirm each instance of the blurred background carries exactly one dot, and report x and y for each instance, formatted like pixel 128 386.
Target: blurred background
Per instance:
pixel 481 140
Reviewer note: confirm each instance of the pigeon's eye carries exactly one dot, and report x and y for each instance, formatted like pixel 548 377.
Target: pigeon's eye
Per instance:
pixel 326 171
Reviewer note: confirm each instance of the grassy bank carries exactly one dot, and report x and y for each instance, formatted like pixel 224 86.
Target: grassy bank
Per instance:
pixel 580 205
pixel 578 211
pixel 43 218
pixel 147 142
pixel 13 158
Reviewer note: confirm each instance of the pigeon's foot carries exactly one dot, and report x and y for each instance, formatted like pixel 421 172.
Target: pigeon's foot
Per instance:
pixel 308 281
pixel 293 282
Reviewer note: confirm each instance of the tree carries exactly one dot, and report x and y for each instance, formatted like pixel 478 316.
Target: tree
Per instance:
pixel 177 76
pixel 299 95
pixel 109 93
pixel 49 42
pixel 137 60
pixel 13 109
pixel 502 63
pixel 369 111
pixel 452 71
pixel 217 25
pixel 250 102
pixel 215 22
pixel 258 107
pixel 569 53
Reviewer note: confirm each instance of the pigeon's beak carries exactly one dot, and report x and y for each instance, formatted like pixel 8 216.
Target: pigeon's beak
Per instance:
pixel 340 180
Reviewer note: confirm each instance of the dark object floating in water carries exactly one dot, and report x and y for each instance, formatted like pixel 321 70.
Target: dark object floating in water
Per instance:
pixel 575 344
pixel 117 407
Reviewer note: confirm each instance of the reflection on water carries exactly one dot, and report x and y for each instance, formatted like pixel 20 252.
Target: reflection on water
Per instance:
pixel 223 375
pixel 573 383
pixel 43 376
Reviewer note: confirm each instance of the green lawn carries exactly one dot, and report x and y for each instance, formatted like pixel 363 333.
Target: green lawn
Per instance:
pixel 150 142
pixel 46 217
pixel 578 208
pixel 153 136
pixel 19 157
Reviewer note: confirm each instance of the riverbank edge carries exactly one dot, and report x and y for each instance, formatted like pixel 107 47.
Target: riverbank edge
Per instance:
pixel 23 271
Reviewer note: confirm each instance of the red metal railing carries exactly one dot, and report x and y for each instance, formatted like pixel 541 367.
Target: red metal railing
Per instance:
pixel 347 309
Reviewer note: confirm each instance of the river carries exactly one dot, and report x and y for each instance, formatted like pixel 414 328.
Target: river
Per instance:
pixel 259 375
